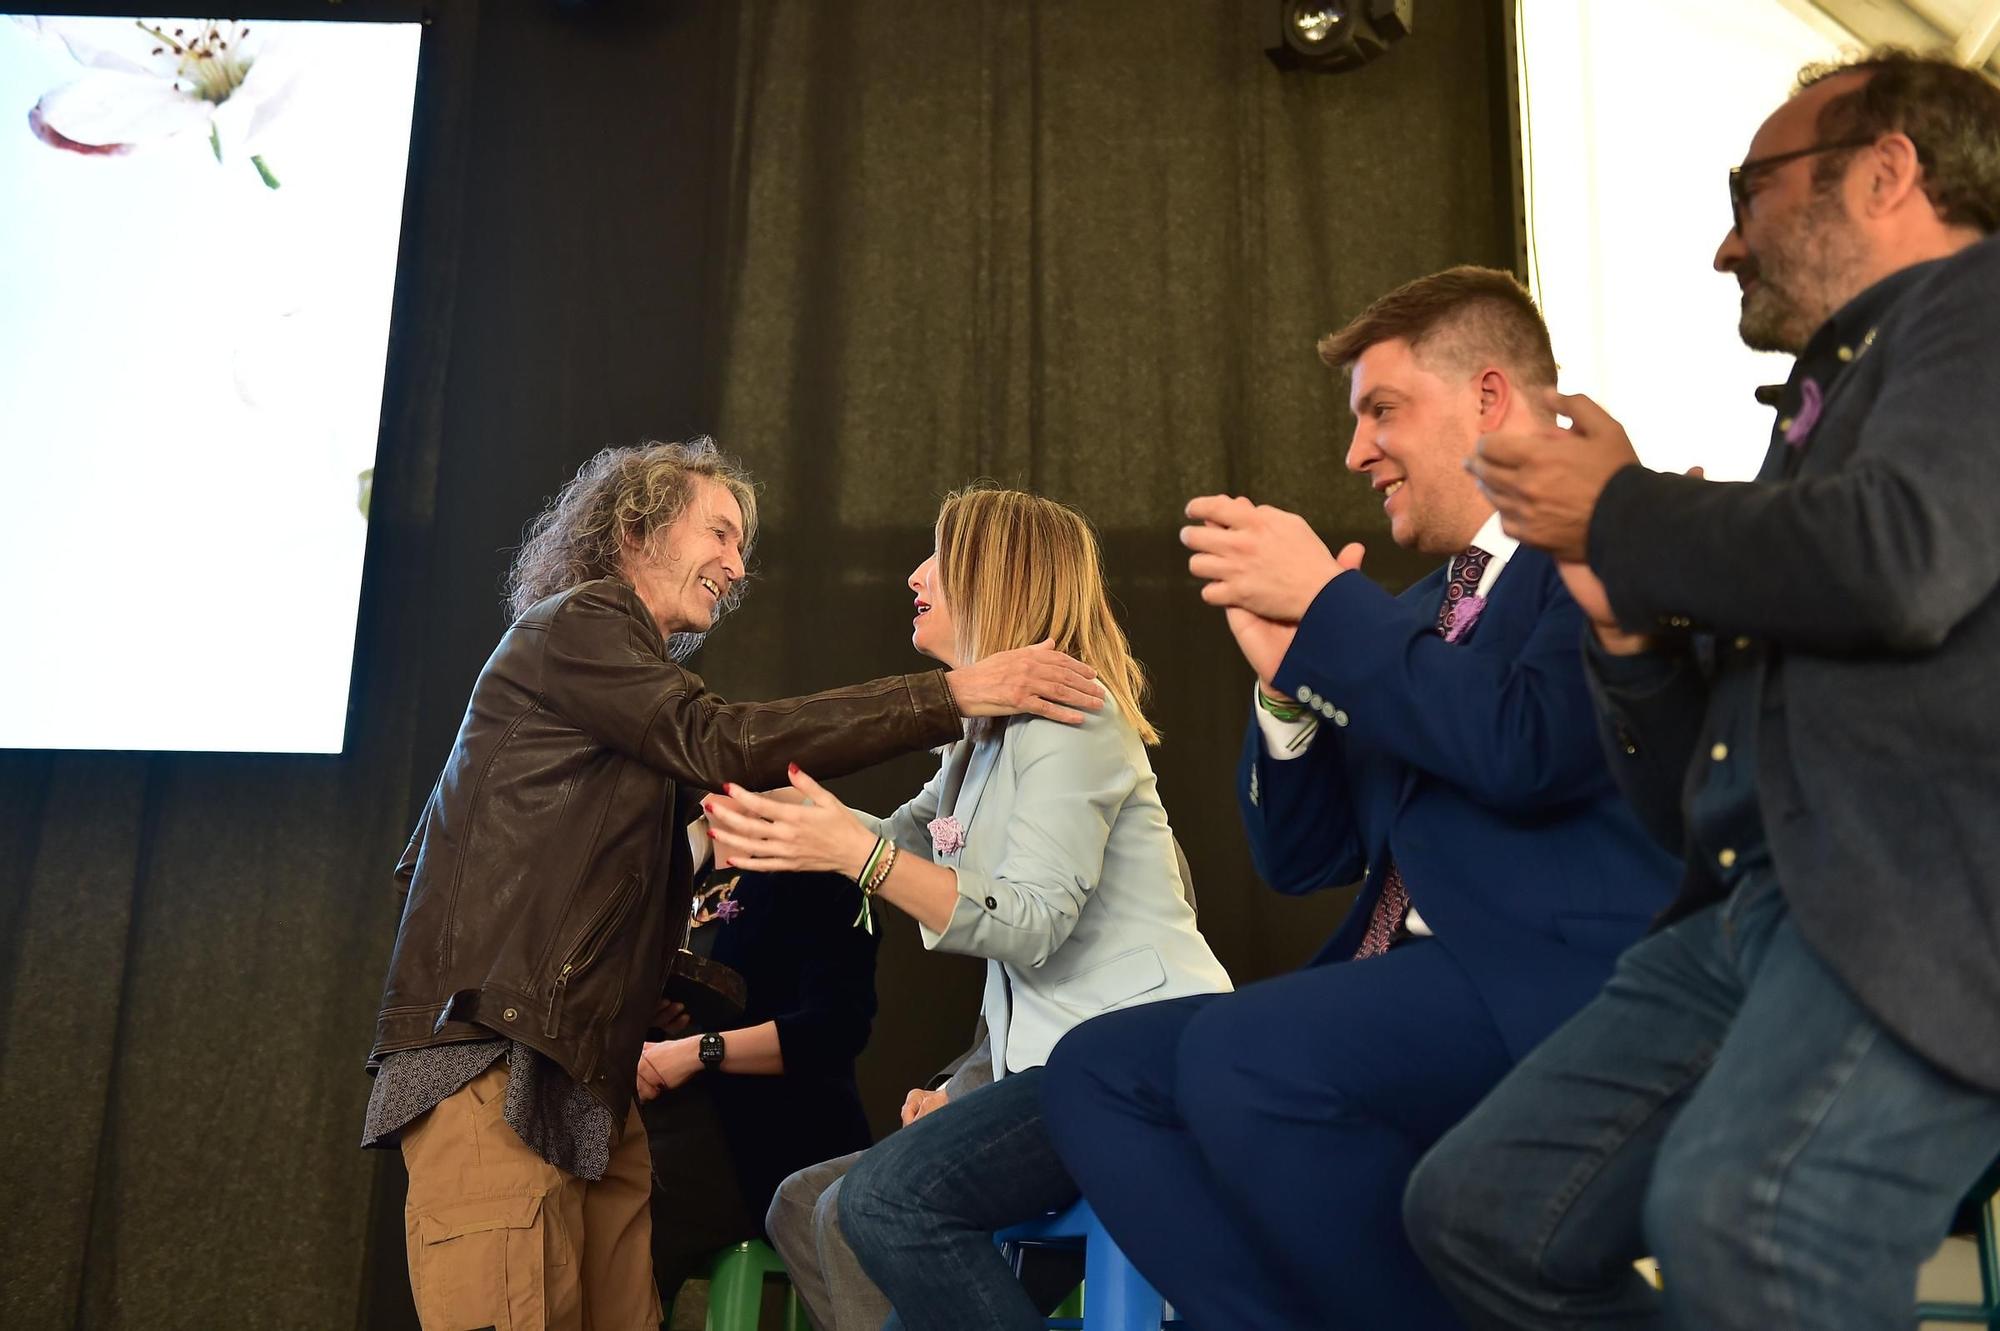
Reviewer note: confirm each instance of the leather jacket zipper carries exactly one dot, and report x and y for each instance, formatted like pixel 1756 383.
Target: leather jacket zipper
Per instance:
pixel 602 925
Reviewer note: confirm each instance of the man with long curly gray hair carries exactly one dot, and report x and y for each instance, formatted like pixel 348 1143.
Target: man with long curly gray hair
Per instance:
pixel 621 491
pixel 546 887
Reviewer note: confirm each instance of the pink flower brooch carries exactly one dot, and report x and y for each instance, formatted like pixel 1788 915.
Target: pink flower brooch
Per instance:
pixel 947 835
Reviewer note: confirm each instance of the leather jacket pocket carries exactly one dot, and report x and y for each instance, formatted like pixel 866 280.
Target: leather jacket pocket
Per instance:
pixel 589 946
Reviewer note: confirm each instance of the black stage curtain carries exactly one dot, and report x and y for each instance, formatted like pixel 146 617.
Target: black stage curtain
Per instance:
pixel 878 249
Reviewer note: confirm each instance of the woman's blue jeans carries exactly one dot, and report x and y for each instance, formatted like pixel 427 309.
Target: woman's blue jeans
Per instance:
pixel 920 1208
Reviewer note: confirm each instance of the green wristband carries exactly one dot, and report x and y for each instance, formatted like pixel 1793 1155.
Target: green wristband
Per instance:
pixel 1282 711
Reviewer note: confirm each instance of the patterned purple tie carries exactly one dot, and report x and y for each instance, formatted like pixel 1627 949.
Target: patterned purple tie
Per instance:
pixel 1393 905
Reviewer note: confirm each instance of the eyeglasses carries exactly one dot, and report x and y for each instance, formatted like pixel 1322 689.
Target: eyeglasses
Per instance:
pixel 1739 176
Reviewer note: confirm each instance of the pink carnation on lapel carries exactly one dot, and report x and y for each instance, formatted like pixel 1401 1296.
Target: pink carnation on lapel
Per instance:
pixel 947 837
pixel 1465 616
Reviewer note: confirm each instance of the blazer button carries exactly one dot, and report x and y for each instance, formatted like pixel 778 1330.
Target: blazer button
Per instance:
pixel 991 904
pixel 1339 717
pixel 509 1015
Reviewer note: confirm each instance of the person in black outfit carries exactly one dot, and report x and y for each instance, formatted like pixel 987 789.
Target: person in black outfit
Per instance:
pixel 782 1093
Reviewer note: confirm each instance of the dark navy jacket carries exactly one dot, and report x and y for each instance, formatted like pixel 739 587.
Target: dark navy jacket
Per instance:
pixel 1476 766
pixel 1861 573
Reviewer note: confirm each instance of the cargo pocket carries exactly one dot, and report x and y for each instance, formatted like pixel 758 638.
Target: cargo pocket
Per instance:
pixel 480 1263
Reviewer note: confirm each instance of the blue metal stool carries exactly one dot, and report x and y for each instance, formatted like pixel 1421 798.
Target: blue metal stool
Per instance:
pixel 1976 1217
pixel 1115 1296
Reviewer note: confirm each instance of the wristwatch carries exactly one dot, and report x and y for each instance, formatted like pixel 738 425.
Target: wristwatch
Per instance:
pixel 711 1051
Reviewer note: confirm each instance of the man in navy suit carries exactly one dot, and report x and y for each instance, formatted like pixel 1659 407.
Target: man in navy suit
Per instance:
pixel 1249 1151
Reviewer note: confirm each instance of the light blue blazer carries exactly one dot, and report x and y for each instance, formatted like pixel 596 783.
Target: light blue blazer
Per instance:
pixel 1068 883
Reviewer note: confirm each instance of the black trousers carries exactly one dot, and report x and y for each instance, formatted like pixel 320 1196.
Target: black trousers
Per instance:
pixel 697 1204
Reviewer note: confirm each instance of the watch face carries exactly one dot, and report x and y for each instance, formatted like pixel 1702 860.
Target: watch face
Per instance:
pixel 711 1049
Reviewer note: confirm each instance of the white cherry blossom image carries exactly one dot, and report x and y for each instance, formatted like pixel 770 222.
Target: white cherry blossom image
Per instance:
pixel 144 81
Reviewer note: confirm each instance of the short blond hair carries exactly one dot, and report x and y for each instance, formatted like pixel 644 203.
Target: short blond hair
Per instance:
pixel 1016 569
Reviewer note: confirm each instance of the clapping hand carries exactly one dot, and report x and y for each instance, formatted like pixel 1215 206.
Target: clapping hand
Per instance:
pixel 1545 479
pixel 1258 558
pixel 756 832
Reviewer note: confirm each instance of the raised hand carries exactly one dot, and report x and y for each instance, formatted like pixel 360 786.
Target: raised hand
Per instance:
pixel 757 832
pixel 1262 641
pixel 1038 681
pixel 1545 480
pixel 1255 557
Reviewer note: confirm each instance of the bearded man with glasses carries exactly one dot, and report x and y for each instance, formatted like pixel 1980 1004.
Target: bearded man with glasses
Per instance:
pixel 1784 1092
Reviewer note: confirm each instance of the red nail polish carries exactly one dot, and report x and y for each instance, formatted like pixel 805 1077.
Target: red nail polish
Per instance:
pixel 793 768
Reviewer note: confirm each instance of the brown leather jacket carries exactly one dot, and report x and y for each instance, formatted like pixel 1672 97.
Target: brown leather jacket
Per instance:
pixel 547 884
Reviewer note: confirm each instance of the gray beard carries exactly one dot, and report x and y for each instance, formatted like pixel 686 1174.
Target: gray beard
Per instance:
pixel 1795 292
pixel 1770 322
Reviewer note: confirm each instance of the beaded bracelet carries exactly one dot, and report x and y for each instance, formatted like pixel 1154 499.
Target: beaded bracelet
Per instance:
pixel 874 872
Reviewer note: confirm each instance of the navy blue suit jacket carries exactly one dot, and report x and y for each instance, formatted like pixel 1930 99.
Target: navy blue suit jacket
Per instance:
pixel 1476 767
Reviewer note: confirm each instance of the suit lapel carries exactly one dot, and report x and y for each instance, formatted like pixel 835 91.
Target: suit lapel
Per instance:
pixel 972 784
pixel 1509 587
pixel 955 762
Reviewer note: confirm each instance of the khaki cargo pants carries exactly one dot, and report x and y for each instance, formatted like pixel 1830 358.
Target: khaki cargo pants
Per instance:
pixel 498 1237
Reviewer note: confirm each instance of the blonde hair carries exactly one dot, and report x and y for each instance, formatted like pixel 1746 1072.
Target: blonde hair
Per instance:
pixel 1017 568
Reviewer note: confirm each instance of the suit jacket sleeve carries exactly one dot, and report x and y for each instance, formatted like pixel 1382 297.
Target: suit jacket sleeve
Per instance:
pixel 1297 815
pixel 1895 548
pixel 1069 783
pixel 1515 733
pixel 602 676
pixel 1650 709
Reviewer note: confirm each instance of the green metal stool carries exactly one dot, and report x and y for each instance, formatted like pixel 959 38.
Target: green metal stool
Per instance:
pixel 736 1288
pixel 1976 1218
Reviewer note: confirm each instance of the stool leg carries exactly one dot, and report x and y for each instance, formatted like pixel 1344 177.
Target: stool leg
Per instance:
pixel 735 1290
pixel 1115 1296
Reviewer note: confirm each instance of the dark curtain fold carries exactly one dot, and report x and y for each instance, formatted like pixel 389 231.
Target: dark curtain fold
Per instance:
pixel 880 249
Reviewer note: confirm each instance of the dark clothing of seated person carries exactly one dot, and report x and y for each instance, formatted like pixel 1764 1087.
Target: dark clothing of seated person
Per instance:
pixel 782 1094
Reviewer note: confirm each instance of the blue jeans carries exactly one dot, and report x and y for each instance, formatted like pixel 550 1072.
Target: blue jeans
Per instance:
pixel 920 1208
pixel 1726 1106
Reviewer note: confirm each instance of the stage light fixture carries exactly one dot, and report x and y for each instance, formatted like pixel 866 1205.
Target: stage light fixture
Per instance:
pixel 1332 36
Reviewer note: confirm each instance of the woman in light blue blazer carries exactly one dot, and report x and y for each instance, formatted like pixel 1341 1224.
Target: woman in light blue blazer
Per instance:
pixel 1040 846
